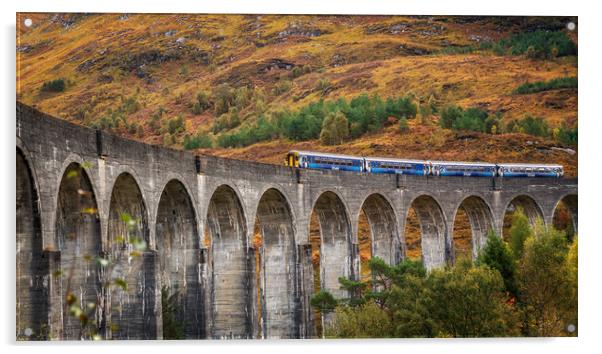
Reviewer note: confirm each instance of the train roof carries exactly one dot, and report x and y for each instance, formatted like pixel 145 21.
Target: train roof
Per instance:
pixel 325 154
pixel 463 163
pixel 528 165
pixel 394 159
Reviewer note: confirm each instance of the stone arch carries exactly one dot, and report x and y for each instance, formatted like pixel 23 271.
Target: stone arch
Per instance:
pixel 570 202
pixel 529 206
pixel 433 230
pixel 230 298
pixel 32 297
pixel 279 301
pixel 480 219
pixel 384 235
pixel 78 238
pixel 131 307
pixel 335 242
pixel 177 242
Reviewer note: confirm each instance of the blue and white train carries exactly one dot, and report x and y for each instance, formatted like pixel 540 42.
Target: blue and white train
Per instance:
pixel 326 161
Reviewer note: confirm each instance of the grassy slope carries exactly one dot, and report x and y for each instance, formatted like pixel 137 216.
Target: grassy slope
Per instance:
pixel 356 54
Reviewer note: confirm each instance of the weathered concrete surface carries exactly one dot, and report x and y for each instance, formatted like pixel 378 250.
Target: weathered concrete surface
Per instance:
pixel 226 198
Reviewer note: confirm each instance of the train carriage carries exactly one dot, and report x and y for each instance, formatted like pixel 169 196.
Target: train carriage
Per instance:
pixel 529 170
pixel 324 161
pixel 464 169
pixel 396 166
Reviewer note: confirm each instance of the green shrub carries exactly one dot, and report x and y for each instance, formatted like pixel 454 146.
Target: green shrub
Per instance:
pixel 539 86
pixel 449 115
pixel 472 119
pixel 535 126
pixel 175 125
pixel 567 135
pixel 57 85
pixel 539 44
pixel 201 104
pixel 198 141
pixel 323 85
pixel 403 125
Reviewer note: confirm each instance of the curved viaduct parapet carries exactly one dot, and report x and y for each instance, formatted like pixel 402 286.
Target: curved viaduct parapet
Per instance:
pixel 230 299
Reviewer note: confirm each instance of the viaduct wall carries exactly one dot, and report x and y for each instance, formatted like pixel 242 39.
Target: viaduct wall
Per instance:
pixel 88 203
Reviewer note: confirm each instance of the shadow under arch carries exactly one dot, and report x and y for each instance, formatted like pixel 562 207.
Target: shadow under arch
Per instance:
pixel 383 238
pixel 231 277
pixel 132 306
pixel 32 300
pixel 433 230
pixel 178 250
pixel 278 298
pixel 481 222
pixel 78 238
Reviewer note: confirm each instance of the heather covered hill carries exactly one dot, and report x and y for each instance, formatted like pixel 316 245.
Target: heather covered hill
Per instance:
pixel 250 86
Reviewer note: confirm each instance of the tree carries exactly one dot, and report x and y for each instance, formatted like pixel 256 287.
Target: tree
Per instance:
pixel 335 129
pixel 468 301
pixel 497 255
pixel 365 321
pixel 325 303
pixel 545 290
pixel 519 232
pixel 449 115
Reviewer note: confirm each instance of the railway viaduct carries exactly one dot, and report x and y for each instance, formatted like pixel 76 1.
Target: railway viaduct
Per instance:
pixel 198 216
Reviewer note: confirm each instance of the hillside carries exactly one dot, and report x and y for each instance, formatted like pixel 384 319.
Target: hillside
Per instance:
pixel 137 74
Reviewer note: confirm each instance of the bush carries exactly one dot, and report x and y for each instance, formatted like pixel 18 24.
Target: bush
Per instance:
pixel 403 125
pixel 539 44
pixel 545 284
pixel 201 104
pixel 335 129
pixel 226 121
pixel 567 135
pixel 449 115
pixel 198 141
pixel 323 85
pixel 223 98
pixel 471 119
pixel 57 85
pixel 539 86
pixel 535 126
pixel 496 254
pixel 176 125
pixel 366 321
